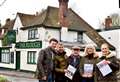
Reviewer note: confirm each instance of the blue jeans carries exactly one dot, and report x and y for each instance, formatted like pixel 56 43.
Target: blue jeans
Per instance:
pixel 49 78
pixel 42 81
pixel 87 80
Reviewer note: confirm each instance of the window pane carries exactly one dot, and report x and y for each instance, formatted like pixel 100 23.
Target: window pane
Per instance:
pixel 32 33
pixel 36 32
pixel 12 57
pixel 80 37
pixel 31 57
pixel 5 56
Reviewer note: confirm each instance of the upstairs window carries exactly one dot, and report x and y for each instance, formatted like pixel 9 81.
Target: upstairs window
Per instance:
pixel 32 33
pixel 80 37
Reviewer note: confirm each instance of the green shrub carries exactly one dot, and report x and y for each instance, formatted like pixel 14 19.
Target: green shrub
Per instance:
pixel 3 79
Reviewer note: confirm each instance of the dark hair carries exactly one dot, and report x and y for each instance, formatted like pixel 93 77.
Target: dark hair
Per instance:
pixel 53 39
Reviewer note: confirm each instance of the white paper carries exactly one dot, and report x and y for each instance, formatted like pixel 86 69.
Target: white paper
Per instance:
pixel 70 72
pixel 104 68
pixel 88 68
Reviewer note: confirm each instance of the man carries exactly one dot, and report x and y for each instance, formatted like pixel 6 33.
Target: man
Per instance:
pixel 60 64
pixel 45 62
pixel 74 59
pixel 110 59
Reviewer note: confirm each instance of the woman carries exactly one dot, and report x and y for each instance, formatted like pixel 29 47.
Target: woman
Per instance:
pixel 60 64
pixel 109 58
pixel 88 63
pixel 74 60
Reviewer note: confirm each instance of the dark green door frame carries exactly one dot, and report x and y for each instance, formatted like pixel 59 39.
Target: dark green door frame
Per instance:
pixel 17 60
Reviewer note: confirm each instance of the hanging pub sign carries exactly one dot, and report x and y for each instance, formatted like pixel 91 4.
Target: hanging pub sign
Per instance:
pixel 9 38
pixel 33 44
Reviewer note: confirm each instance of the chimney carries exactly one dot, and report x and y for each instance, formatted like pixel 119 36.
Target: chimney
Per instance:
pixel 63 9
pixel 8 21
pixel 108 22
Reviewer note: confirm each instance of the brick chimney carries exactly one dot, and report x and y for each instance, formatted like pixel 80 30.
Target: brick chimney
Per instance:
pixel 63 9
pixel 108 22
pixel 63 12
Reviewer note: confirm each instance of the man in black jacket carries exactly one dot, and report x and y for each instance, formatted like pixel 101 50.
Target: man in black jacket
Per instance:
pixel 45 62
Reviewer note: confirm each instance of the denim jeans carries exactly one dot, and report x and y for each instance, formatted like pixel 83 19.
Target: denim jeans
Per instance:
pixel 42 81
pixel 49 78
pixel 87 80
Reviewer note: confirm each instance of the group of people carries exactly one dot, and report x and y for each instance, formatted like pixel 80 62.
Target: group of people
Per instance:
pixel 53 62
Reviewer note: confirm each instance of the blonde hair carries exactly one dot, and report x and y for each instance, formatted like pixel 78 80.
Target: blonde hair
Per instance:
pixel 89 46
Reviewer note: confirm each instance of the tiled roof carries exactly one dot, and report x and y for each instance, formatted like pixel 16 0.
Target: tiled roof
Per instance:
pixel 9 25
pixel 26 18
pixel 49 18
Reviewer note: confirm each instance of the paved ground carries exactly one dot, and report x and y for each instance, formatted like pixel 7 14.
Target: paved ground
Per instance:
pixel 20 79
pixel 17 76
pixel 17 73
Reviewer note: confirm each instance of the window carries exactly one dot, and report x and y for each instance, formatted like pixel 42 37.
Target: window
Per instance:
pixel 5 56
pixel 31 57
pixel 12 57
pixel 32 34
pixel 80 37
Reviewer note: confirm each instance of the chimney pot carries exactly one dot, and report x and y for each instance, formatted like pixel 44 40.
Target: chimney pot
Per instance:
pixel 108 22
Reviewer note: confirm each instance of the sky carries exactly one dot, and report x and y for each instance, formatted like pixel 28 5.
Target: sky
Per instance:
pixel 92 11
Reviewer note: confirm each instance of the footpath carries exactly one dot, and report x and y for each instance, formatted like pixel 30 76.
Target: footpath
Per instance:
pixel 15 73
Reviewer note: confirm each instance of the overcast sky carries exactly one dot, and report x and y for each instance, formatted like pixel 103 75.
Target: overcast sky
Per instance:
pixel 92 11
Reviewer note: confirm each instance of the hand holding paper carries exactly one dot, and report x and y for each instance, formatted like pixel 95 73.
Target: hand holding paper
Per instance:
pixel 70 72
pixel 104 67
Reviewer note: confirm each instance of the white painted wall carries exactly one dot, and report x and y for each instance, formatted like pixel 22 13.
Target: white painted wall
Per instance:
pixel 23 63
pixel 87 40
pixel 12 66
pixel 72 36
pixel 18 23
pixel 64 33
pixel 17 26
pixel 52 33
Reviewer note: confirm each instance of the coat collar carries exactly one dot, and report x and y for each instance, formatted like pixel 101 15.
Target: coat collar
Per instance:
pixel 111 54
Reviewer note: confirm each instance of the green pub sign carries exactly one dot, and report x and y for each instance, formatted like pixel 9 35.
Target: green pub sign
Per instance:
pixel 9 38
pixel 34 44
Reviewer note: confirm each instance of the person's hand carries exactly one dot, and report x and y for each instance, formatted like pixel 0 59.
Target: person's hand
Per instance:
pixel 65 70
pixel 89 75
pixel 84 75
pixel 107 62
pixel 44 78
